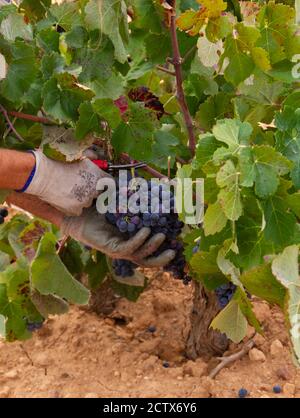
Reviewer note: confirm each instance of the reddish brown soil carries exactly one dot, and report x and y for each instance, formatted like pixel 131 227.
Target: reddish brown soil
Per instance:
pixel 83 355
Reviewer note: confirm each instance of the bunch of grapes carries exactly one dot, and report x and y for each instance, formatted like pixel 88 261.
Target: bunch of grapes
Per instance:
pixel 225 293
pixel 3 215
pixel 159 219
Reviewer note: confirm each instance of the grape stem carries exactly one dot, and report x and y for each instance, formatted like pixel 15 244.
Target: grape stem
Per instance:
pixel 11 125
pixel 225 361
pixel 165 70
pixel 177 62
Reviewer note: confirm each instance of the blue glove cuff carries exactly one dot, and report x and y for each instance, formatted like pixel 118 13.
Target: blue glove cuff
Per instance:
pixel 30 178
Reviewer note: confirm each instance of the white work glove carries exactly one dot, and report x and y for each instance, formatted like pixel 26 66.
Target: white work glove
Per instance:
pixel 92 229
pixel 68 187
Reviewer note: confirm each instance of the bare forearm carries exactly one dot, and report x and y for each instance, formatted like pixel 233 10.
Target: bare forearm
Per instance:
pixel 15 169
pixel 37 207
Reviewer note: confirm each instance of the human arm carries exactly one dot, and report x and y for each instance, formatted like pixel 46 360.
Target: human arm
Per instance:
pixel 68 187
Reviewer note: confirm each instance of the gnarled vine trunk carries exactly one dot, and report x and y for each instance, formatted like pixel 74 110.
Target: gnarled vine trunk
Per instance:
pixel 203 341
pixel 103 300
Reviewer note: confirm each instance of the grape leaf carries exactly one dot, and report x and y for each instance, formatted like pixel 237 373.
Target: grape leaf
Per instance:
pixel 230 196
pixel 107 110
pixel 268 165
pixel 232 322
pixel 240 67
pixel 214 219
pixel 88 121
pixel 62 144
pixel 135 136
pixel 97 269
pixel 50 276
pixel 14 27
pixel 66 15
pixel 215 107
pixel 280 224
pixel 49 305
pixel 285 267
pixel 260 281
pixel 21 73
pixel 111 19
pixel 51 64
pixel 35 9
pixel 63 101
pixel 164 147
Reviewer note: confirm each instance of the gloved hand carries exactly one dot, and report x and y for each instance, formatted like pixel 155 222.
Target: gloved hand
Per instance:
pixel 67 187
pixel 92 229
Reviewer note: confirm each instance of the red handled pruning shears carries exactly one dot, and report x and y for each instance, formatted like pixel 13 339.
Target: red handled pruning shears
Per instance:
pixel 107 166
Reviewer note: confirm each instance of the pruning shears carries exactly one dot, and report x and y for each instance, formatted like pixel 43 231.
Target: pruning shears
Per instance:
pixel 105 165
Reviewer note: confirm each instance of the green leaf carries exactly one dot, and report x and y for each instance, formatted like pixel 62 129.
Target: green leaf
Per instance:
pixel 49 305
pixel 72 256
pixel 230 195
pixel 77 38
pixel 135 136
pixel 280 224
pixel 63 101
pixel 233 133
pixel 88 121
pixel 111 88
pixel 22 72
pixel 148 16
pixel 48 40
pixel 260 282
pixel 35 9
pixel 111 19
pixel 15 303
pixel 97 270
pixel 204 265
pixel 164 147
pixel 66 15
pixel 214 108
pixel 240 67
pixel 232 322
pixel 214 219
pixel 97 64
pixel 50 276
pixel 246 307
pixel 226 265
pixel 268 166
pixel 51 64
pixel 108 111
pixel 285 267
pixel 14 27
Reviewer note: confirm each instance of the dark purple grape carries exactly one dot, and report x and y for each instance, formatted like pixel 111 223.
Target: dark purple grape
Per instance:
pixel 158 219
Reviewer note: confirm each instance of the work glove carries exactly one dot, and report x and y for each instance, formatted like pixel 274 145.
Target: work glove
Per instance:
pixel 93 230
pixel 68 187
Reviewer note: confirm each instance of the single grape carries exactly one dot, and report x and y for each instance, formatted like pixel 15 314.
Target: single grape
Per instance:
pixel 152 329
pixel 243 393
pixel 131 228
pixel 277 389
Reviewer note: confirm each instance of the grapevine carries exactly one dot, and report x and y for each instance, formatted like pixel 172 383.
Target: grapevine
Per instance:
pixel 196 89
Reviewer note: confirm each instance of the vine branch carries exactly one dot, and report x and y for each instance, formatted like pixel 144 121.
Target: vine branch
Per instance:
pixel 225 361
pixel 177 62
pixel 32 118
pixel 165 70
pixel 11 125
